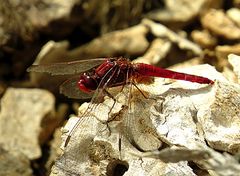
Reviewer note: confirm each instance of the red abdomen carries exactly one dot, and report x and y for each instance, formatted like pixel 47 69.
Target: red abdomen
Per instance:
pixel 149 70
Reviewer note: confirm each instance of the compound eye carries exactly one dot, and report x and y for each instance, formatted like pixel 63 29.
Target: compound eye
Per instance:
pixel 87 84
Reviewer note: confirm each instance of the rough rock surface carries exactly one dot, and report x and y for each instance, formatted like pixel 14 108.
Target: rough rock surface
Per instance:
pixel 14 163
pixel 176 113
pixel 220 24
pixel 204 38
pixel 234 60
pixel 182 11
pixel 22 130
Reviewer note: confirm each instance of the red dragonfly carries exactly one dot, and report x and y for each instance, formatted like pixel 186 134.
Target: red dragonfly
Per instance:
pixel 104 73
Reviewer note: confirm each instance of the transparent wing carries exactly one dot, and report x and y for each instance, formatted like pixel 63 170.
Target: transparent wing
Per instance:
pixel 138 128
pixel 70 89
pixel 96 99
pixel 67 68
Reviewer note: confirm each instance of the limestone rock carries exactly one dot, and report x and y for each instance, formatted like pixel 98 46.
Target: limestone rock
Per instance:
pixel 223 51
pixel 24 113
pixel 182 11
pixel 162 31
pixel 234 13
pixel 176 113
pixel 234 60
pixel 204 38
pixel 218 23
pixel 14 163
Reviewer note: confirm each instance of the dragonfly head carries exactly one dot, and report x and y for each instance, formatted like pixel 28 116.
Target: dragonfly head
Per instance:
pixel 87 84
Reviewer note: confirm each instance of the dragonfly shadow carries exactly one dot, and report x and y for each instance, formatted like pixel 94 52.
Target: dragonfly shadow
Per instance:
pixel 138 127
pixel 74 156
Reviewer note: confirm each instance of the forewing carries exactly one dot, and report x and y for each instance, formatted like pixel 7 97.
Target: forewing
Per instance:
pixel 67 68
pixel 70 89
pixel 96 99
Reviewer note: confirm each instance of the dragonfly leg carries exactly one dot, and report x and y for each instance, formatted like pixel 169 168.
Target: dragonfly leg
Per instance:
pixel 146 97
pixel 140 91
pixel 107 128
pixel 114 102
pixel 109 119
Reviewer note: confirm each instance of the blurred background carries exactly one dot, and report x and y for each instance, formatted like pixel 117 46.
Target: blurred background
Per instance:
pixel 166 33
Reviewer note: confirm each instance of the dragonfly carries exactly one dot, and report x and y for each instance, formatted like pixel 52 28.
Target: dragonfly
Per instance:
pixel 94 77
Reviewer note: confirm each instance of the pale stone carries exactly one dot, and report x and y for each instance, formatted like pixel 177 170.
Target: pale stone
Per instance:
pixel 176 113
pixel 22 114
pixel 220 24
pixel 162 31
pixel 234 60
pixel 14 163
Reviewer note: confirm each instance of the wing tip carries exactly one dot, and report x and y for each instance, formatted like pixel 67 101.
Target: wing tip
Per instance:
pixel 40 69
pixel 34 68
pixel 30 69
